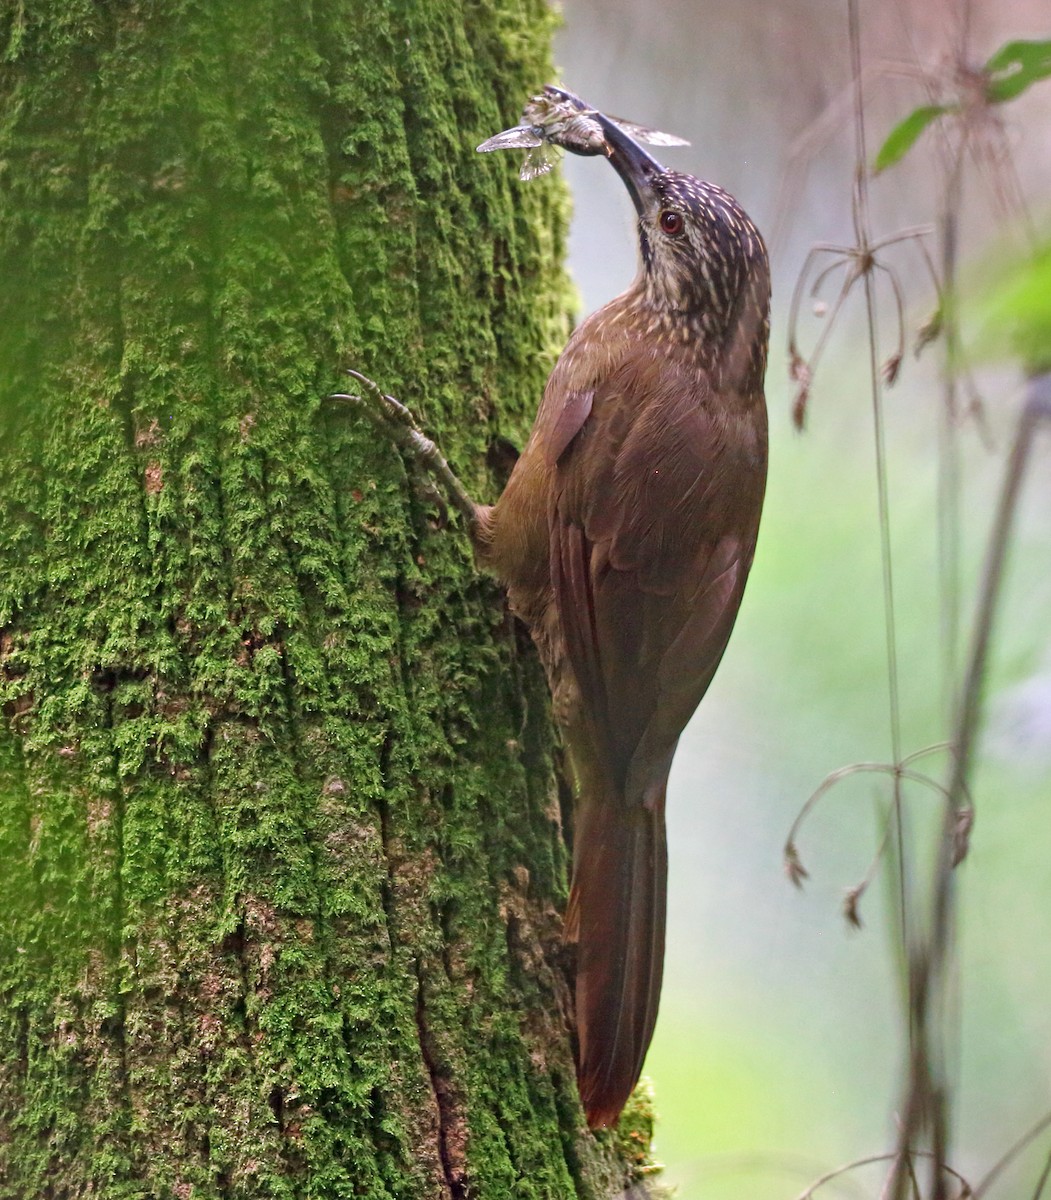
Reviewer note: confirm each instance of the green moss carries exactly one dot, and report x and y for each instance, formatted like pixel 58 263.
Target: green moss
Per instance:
pixel 276 794
pixel 633 1135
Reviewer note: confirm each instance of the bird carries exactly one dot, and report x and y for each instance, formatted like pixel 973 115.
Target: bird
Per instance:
pixel 623 538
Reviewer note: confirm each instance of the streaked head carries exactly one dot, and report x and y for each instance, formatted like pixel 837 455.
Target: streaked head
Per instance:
pixel 703 259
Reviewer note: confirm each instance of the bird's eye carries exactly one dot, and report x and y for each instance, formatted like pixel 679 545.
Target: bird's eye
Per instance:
pixel 671 222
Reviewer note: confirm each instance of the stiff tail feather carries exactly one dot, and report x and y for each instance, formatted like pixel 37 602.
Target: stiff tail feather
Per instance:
pixel 616 919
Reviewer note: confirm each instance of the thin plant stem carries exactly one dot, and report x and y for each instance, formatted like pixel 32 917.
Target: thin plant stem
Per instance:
pixel 1037 409
pixel 900 1174
pixel 1045 1174
pixel 949 493
pixel 1008 1157
pixel 965 1188
pixel 863 237
pixel 949 450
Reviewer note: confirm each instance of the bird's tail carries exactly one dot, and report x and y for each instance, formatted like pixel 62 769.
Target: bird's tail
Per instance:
pixel 616 918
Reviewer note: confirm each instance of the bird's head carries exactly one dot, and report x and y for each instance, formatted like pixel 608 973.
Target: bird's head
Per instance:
pixel 704 263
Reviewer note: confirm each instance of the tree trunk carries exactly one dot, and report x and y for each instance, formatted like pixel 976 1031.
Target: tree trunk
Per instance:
pixel 279 830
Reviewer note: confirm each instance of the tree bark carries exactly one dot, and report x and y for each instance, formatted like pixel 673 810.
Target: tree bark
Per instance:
pixel 279 828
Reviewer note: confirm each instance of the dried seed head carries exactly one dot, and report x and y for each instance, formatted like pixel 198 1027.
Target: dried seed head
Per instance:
pixel 794 868
pixel 850 905
pixel 799 371
pixel 890 370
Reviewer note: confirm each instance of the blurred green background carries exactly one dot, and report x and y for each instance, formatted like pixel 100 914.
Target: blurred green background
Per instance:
pixel 779 1050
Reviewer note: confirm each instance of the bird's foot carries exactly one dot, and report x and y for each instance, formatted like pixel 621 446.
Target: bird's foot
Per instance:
pixel 398 423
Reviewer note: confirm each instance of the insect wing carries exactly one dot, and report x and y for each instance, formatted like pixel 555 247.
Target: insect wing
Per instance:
pixel 653 137
pixel 522 137
pixel 537 162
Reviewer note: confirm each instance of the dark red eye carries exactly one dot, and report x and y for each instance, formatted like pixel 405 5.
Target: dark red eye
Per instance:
pixel 671 222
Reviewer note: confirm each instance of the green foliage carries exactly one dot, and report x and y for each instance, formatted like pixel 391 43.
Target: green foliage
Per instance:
pixel 904 135
pixel 1013 69
pixel 1014 309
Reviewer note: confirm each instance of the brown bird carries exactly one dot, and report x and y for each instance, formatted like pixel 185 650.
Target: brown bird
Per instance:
pixel 624 538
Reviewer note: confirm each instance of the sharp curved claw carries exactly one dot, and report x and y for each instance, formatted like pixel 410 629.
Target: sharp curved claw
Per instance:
pixel 401 425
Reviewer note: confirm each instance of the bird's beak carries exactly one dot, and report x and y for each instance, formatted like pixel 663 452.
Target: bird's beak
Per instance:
pixel 636 166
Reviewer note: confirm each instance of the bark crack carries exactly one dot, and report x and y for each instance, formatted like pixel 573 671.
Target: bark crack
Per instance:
pixel 450 1124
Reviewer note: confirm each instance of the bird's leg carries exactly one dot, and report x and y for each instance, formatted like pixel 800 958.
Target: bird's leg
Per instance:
pixel 400 425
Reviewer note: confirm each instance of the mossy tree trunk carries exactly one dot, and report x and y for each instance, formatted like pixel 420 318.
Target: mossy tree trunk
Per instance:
pixel 280 851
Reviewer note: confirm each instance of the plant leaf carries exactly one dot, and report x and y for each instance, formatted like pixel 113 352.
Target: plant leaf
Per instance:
pixel 903 136
pixel 1015 307
pixel 1015 67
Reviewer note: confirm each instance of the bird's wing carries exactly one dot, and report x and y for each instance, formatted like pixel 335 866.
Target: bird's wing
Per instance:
pixel 653 522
